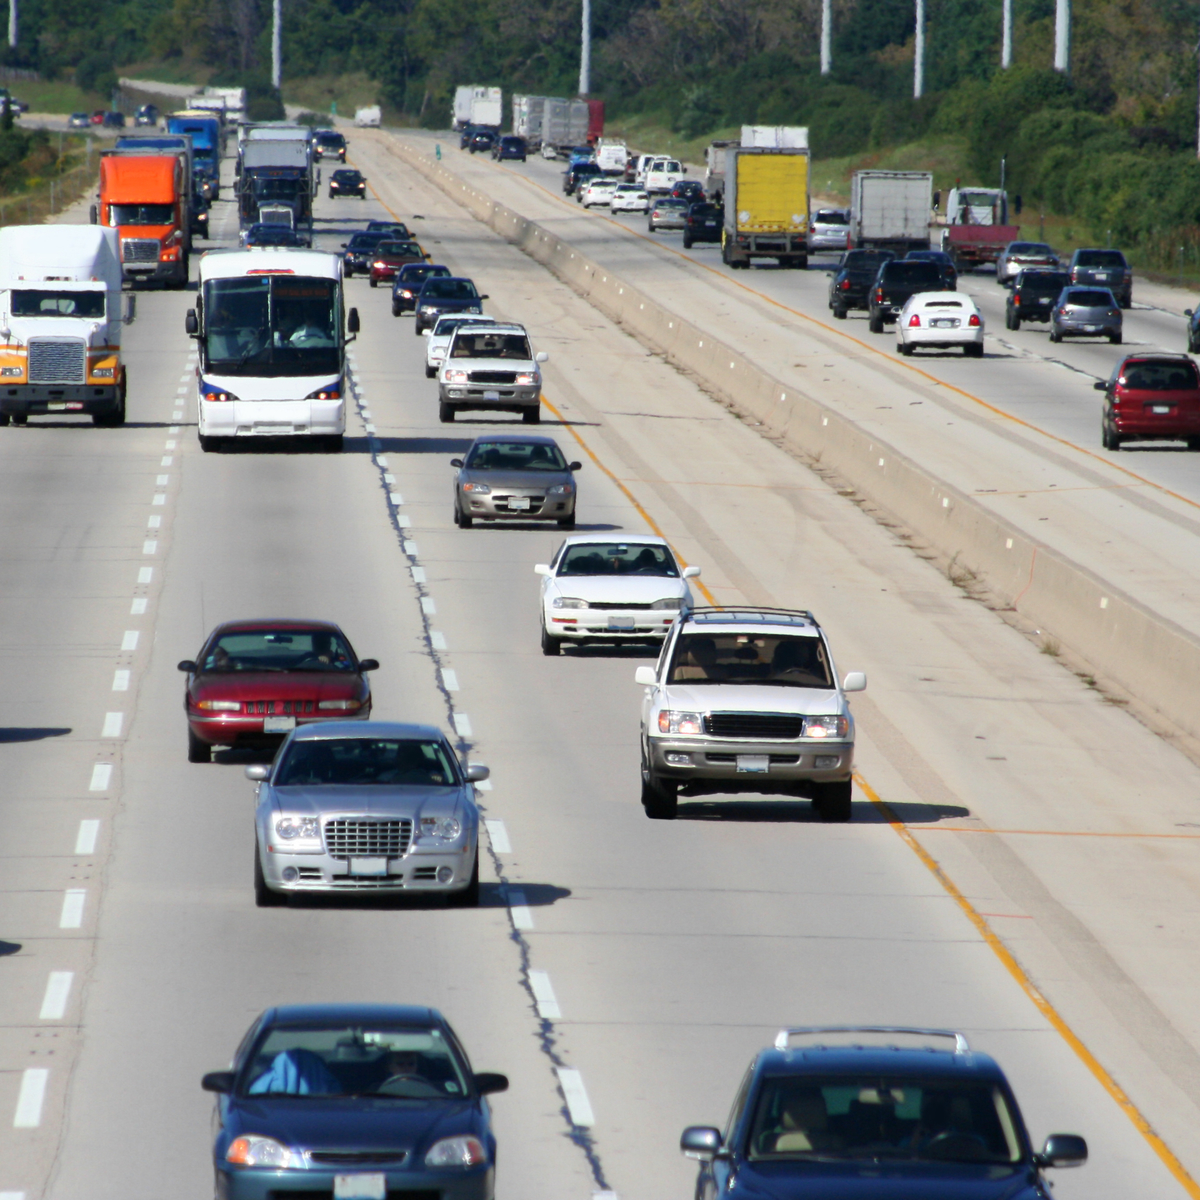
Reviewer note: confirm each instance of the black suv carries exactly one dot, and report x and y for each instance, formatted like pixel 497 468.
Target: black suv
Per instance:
pixel 895 283
pixel 1032 296
pixel 850 284
pixel 1104 268
pixel 943 260
pixel 574 176
pixel 703 223
pixel 836 1117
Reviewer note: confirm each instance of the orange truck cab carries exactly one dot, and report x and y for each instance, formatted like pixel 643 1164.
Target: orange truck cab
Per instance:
pixel 145 198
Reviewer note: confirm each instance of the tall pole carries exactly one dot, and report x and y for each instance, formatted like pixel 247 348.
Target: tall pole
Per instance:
pixel 277 44
pixel 919 53
pixel 1062 36
pixel 12 22
pixel 585 50
pixel 1006 37
pixel 826 35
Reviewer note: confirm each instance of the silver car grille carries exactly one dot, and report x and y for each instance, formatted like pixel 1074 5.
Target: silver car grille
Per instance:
pixel 364 838
pixel 139 250
pixel 57 360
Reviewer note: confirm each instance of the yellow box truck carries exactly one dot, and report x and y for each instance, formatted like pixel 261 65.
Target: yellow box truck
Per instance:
pixel 766 203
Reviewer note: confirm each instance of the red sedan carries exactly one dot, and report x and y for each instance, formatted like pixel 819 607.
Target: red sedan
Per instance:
pixel 1151 397
pixel 389 257
pixel 254 681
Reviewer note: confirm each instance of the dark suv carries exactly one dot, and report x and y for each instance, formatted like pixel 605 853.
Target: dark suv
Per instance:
pixel 850 284
pixel 1104 268
pixel 703 223
pixel 1149 397
pixel 895 283
pixel 1033 294
pixel 580 173
pixel 845 1116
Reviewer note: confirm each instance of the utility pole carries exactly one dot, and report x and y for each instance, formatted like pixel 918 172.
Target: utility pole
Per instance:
pixel 277 45
pixel 1062 36
pixel 826 35
pixel 12 22
pixel 585 50
pixel 919 53
pixel 1006 37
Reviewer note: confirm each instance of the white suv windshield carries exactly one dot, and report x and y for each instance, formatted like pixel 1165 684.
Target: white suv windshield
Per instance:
pixel 781 660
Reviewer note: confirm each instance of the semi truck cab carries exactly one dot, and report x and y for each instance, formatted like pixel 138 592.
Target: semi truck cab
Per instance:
pixel 145 199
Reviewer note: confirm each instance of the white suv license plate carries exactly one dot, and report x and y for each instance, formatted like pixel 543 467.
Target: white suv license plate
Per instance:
pixel 491 395
pixel 753 764
pixel 359 1187
pixel 278 724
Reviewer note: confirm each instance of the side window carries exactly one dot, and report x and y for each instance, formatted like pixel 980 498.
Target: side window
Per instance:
pixel 739 1106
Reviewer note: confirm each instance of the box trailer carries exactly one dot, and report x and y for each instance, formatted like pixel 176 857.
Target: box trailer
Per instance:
pixel 889 210
pixel 766 205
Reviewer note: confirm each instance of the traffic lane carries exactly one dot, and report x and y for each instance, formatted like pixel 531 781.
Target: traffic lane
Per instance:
pixel 583 709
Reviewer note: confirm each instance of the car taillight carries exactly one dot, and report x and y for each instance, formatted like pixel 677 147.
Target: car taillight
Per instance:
pixel 914 321
pixel 845 285
pixel 1016 301
pixel 975 322
pixel 879 295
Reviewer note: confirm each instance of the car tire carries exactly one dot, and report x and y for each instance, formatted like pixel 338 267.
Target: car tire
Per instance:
pixel 209 444
pixel 839 313
pixel 833 801
pixel 263 896
pixel 373 282
pixel 462 520
pixel 1109 438
pixel 445 413
pixel 431 372
pixel 904 348
pixel 1115 339
pixel 397 310
pixel 973 350
pixel 198 751
pixel 660 797
pixel 1015 324
pixel 687 242
pixel 469 896
pixel 567 522
pixel 551 646
pixel 4 420
pixel 532 416
pixel 20 418
pixel 875 323
pixel 1055 337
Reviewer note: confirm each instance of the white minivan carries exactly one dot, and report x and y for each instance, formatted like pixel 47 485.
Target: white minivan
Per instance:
pixel 663 174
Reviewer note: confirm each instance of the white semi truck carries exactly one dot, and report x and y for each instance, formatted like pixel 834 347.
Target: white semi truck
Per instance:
pixel 61 311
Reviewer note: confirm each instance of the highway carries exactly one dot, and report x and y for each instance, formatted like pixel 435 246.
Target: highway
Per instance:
pixel 652 958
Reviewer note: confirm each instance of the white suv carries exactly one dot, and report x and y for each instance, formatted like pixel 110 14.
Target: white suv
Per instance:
pixel 747 700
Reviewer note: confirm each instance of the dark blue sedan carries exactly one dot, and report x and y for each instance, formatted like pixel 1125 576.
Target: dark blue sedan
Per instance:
pixel 361 1102
pixel 871 1113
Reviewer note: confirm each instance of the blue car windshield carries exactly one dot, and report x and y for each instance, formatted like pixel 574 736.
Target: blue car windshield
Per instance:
pixel 397 1062
pixel 941 1120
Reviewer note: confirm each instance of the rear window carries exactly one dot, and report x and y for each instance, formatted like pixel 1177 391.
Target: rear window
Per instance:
pixel 1149 376
pixel 1099 258
pixel 863 260
pixel 912 272
pixel 449 289
pixel 1044 281
pixel 399 248
pixel 1092 299
pixel 831 216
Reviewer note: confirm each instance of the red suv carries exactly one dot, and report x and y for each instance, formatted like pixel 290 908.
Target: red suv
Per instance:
pixel 1151 397
pixel 255 681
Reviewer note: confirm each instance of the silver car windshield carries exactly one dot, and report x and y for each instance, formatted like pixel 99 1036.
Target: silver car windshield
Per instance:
pixel 363 761
pixel 782 660
pixel 618 558
pixel 515 456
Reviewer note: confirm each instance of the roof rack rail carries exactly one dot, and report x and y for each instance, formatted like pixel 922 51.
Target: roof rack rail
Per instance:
pixel 734 611
pixel 784 1036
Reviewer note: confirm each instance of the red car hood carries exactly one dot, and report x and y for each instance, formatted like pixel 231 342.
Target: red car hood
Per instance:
pixel 278 685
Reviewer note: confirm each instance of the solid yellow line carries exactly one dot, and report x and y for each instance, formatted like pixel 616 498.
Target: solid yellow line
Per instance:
pixel 1043 1005
pixel 1071 833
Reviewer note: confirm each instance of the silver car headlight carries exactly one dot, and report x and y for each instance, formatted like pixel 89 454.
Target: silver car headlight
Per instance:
pixel 560 489
pixel 671 602
pixel 826 727
pixel 445 829
pixel 299 832
pixel 453 376
pixel 568 602
pixel 478 489
pixel 527 378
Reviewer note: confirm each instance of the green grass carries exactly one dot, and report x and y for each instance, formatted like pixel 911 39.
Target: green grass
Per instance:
pixel 57 96
pixel 644 135
pixel 170 70
pixel 317 92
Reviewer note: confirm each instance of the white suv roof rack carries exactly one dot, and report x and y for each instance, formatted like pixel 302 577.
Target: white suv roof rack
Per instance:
pixel 784 1036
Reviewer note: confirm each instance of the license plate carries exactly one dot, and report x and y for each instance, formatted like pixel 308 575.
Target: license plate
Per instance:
pixel 1044 300
pixel 1160 408
pixel 944 324
pixel 278 724
pixel 620 623
pixel 518 503
pixel 359 1187
pixel 56 407
pixel 711 224
pixel 491 395
pixel 368 866
pixel 1089 328
pixel 754 764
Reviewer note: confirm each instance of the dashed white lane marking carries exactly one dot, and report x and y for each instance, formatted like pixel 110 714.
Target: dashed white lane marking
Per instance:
pixel 450 679
pixel 167 460
pixel 159 498
pixel 101 777
pixel 462 723
pixel 396 498
pixel 522 917
pixel 162 480
pixel 72 908
pixel 31 1097
pixel 389 480
pixel 154 522
pixel 410 548
pixel 130 640
pixel 58 992
pixel 575 1094
pixel 437 639
pixel 85 839
pixel 427 606
pixel 543 994
pixel 404 522
pixel 120 681
pixel 369 427
pixel 169 445
pixel 12 1196
pixel 138 607
pixel 381 459
pixel 112 725
pixel 150 547
pixel 145 574
pixel 174 428
pixel 181 390
pixel 418 574
pixel 498 836
pixel 177 415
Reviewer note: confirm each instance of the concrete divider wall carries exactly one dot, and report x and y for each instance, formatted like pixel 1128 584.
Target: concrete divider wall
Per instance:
pixel 1152 658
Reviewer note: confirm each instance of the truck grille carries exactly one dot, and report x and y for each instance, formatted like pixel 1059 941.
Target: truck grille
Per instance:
pixel 767 726
pixel 346 836
pixel 493 377
pixel 57 360
pixel 139 250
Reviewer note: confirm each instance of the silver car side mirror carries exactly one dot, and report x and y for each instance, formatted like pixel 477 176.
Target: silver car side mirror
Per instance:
pixel 477 773
pixel 258 772
pixel 691 572
pixel 855 681
pixel 542 569
pixel 645 676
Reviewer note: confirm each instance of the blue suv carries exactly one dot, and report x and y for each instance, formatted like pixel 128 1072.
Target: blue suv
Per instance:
pixel 837 1119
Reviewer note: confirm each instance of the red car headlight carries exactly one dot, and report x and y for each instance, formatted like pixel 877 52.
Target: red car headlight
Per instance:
pixel 220 705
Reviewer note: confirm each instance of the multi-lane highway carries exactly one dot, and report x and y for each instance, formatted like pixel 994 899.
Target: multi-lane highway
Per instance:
pixel 620 971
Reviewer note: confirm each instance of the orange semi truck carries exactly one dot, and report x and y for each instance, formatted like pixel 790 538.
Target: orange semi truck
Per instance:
pixel 145 198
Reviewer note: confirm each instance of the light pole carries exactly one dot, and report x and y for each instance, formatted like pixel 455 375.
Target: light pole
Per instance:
pixel 1062 36
pixel 585 50
pixel 277 44
pixel 826 36
pixel 12 22
pixel 919 53
pixel 1006 37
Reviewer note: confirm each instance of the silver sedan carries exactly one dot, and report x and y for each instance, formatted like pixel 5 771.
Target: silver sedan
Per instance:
pixel 514 477
pixel 382 808
pixel 667 213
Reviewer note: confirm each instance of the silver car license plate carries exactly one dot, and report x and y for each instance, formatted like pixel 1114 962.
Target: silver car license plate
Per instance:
pixel 620 623
pixel 278 724
pixel 1160 408
pixel 754 764
pixel 368 866
pixel 491 395
pixel 360 1187
pixel 518 503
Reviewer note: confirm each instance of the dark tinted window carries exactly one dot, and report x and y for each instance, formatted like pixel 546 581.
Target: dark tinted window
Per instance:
pixel 831 216
pixel 361 761
pixel 490 345
pixel 279 650
pixel 1162 376
pixel 515 456
pixel 1099 258
pixel 366 241
pixel 31 303
pixel 866 260
pixel 617 558
pixel 449 289
pixel 399 248
pixel 1090 299
pixel 912 273
pixel 1044 281
pixel 419 272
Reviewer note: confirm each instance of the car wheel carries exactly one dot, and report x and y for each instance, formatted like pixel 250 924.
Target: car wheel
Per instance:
pixel 374 282
pixel 397 310
pixel 567 522
pixel 875 323
pixel 551 646
pixel 445 412
pixel 660 797
pixel 1055 337
pixel 198 751
pixel 462 520
pixel 209 444
pixel 431 372
pixel 263 896
pixel 1109 437
pixel 905 349
pixel 973 350
pixel 832 801
pixel 20 418
pixel 1115 339
pixel 1015 325
pixel 532 416
pixel 839 314
pixel 469 896
pixel 4 420
pixel 687 242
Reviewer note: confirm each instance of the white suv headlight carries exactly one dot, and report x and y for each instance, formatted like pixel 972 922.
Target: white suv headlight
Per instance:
pixel 826 727
pixel 671 721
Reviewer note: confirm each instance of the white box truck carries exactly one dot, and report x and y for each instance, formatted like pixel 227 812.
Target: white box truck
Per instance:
pixel 775 137
pixel 487 107
pixel 565 124
pixel 889 210
pixel 60 304
pixel 463 96
pixel 527 115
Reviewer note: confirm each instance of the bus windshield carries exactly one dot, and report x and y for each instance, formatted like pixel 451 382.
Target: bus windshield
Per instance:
pixel 272 325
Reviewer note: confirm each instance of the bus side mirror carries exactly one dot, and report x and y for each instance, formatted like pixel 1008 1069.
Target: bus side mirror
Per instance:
pixel 352 323
pixel 190 323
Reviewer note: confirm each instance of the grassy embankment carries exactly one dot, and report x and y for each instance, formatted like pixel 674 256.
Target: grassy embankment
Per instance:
pixel 53 172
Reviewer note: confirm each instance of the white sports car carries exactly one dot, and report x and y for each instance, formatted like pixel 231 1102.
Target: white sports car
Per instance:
pixel 437 339
pixel 608 589
pixel 940 321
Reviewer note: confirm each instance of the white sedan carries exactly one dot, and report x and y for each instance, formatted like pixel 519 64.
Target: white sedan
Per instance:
pixel 437 339
pixel 630 197
pixel 606 589
pixel 599 191
pixel 940 320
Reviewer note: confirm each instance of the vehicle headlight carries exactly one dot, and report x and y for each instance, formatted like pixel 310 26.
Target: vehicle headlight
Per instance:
pixel 428 307
pixel 560 489
pixel 526 379
pixel 406 294
pixel 480 489
pixel 254 1151
pixel 568 602
pixel 446 828
pixel 456 1152
pixel 103 372
pixel 671 602
pixel 826 727
pixel 290 828
pixel 455 377
pixel 220 705
pixel 8 371
pixel 670 721
pixel 475 309
pixel 340 705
